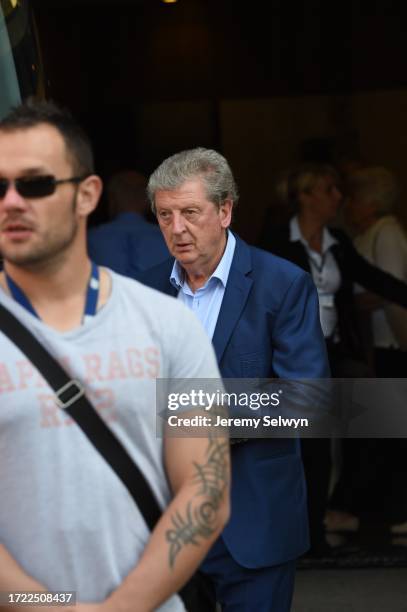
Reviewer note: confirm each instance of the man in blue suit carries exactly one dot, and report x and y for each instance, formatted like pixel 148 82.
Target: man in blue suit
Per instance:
pixel 262 315
pixel 128 244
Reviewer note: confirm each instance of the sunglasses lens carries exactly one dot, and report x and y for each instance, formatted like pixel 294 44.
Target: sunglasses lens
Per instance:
pixel 36 186
pixel 3 187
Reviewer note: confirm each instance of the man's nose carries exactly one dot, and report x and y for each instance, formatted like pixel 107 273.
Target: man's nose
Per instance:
pixel 178 223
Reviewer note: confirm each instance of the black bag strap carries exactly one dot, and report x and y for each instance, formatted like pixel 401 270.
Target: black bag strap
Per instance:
pixel 70 396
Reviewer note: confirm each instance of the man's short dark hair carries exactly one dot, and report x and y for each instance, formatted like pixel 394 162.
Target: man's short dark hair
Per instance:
pixel 36 112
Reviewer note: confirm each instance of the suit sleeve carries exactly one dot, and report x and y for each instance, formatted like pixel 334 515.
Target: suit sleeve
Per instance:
pixel 299 350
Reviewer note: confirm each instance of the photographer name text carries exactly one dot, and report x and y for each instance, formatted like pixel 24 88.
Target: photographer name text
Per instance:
pixel 248 422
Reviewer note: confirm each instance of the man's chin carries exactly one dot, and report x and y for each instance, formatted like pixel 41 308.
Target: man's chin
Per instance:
pixel 25 257
pixel 186 261
pixel 14 256
pixel 184 257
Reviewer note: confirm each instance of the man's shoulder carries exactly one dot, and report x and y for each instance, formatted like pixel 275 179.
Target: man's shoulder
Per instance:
pixel 164 312
pixel 134 286
pixel 268 259
pixel 158 276
pixel 145 296
pixel 268 265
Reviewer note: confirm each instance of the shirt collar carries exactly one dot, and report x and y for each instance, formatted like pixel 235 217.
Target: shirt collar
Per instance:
pixel 295 234
pixel 221 272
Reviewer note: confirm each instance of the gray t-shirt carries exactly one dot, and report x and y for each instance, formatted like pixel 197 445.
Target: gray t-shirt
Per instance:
pixel 64 514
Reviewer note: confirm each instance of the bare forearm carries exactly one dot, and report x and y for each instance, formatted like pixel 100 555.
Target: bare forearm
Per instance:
pixel 181 539
pixel 13 577
pixel 154 580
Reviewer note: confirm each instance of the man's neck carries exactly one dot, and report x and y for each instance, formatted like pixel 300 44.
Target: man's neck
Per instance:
pixel 57 291
pixel 196 279
pixel 52 281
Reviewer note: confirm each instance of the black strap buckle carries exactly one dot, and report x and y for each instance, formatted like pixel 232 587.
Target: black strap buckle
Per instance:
pixel 69 394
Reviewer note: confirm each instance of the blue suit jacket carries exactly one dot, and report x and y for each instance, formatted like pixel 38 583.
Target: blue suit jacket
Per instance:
pixel 127 245
pixel 268 325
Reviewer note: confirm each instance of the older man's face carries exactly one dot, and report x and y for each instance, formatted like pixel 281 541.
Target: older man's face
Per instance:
pixel 193 227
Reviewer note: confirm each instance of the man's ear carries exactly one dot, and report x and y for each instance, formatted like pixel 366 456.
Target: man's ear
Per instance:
pixel 89 192
pixel 225 212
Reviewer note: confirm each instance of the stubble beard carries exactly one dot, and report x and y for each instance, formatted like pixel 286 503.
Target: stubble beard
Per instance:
pixel 52 247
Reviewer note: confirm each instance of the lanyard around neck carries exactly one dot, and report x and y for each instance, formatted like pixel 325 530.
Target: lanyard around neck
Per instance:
pixel 318 266
pixel 92 294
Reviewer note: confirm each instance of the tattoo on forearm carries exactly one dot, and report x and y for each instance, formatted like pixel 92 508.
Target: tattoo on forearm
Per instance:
pixel 200 518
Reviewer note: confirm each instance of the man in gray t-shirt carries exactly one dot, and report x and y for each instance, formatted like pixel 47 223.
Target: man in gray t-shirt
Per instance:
pixel 66 520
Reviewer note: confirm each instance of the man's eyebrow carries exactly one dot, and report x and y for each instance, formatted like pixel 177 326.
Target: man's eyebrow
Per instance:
pixel 34 171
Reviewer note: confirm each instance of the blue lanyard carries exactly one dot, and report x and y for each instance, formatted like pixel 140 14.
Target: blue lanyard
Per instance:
pixel 92 294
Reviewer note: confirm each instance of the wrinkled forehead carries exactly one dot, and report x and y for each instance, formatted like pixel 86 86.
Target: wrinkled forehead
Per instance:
pixel 190 190
pixel 40 148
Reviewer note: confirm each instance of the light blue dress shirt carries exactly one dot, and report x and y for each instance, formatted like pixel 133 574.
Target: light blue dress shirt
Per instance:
pixel 207 300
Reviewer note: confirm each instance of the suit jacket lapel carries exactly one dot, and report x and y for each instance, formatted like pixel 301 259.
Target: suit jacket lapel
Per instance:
pixel 172 290
pixel 236 293
pixel 159 278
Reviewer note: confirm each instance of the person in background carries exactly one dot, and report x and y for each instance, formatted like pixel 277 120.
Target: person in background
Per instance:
pixel 261 313
pixel 381 237
pixel 128 243
pixel 312 191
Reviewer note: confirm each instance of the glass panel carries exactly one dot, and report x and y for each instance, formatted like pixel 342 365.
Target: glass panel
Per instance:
pixel 9 87
pixel 20 66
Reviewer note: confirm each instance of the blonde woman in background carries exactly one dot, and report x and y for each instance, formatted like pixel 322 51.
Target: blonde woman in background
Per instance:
pixel 381 237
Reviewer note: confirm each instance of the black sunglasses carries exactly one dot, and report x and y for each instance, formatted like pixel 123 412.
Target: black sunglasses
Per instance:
pixel 36 186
